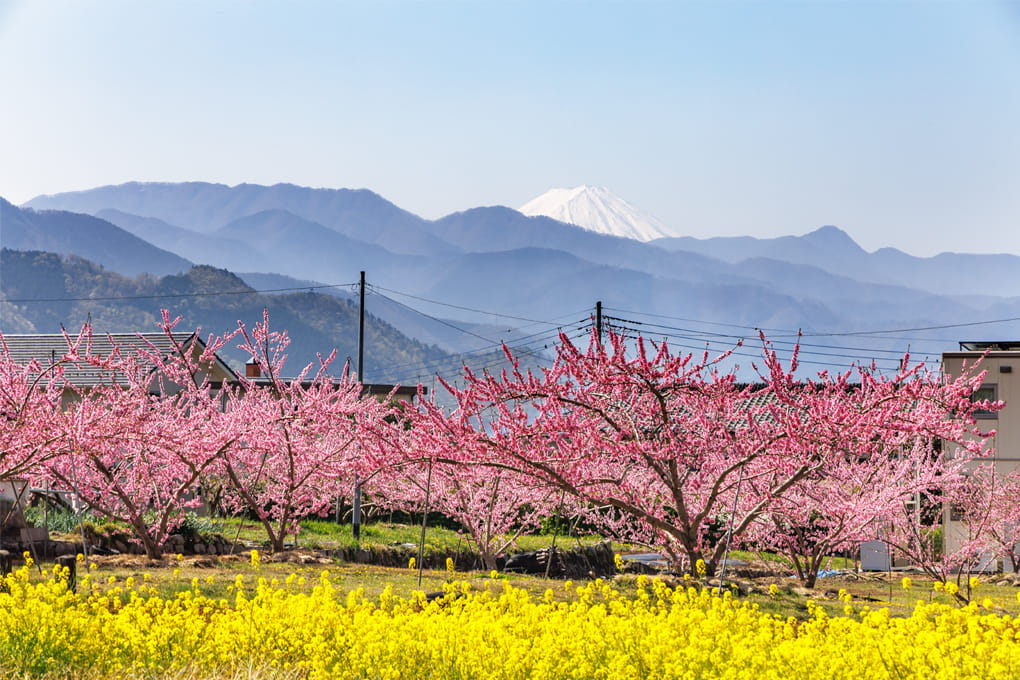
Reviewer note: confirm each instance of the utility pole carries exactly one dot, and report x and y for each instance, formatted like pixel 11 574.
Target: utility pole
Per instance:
pixel 361 334
pixel 356 510
pixel 598 321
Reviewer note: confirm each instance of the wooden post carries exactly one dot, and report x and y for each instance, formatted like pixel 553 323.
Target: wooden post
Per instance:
pixel 71 562
pixel 424 520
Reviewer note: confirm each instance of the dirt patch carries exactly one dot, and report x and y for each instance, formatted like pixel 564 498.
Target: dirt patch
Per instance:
pixel 130 561
pixel 297 557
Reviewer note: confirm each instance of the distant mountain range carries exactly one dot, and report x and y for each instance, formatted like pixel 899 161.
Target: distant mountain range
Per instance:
pixel 500 272
pixel 92 238
pixel 832 249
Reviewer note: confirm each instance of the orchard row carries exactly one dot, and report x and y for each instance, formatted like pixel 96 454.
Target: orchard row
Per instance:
pixel 663 449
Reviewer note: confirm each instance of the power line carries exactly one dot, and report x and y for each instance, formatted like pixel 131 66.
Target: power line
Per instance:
pixel 492 344
pixel 533 347
pixel 441 321
pixel 437 365
pixel 698 334
pixel 633 334
pixel 707 323
pixel 754 330
pixel 919 328
pixel 792 332
pixel 517 352
pixel 539 338
pixel 472 309
pixel 114 298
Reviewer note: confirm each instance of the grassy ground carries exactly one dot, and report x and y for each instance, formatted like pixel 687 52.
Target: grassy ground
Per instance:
pixel 327 535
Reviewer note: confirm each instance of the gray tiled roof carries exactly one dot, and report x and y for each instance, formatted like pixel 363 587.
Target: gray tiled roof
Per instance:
pixel 46 348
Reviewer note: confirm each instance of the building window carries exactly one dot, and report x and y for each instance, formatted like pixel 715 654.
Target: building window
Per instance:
pixel 957 512
pixel 987 392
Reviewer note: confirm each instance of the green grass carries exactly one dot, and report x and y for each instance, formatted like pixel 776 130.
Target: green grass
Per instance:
pixel 327 535
pixel 784 565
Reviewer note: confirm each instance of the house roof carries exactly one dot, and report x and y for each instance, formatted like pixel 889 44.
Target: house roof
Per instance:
pixel 254 374
pixel 369 389
pixel 993 345
pixel 383 390
pixel 49 347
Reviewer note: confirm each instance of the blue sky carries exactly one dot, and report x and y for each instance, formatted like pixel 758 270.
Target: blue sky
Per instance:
pixel 896 121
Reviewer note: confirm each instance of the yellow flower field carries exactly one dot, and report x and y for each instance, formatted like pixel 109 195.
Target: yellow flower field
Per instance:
pixel 494 631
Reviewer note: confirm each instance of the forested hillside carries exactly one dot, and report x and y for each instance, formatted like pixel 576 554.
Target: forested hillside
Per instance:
pixel 41 292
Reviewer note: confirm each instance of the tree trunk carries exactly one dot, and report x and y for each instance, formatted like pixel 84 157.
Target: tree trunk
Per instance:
pixel 153 550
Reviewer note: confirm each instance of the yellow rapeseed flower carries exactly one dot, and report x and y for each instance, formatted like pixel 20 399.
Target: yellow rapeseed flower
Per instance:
pixel 486 633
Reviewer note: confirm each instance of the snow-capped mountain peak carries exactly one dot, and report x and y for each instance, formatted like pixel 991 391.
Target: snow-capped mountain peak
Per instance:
pixel 597 209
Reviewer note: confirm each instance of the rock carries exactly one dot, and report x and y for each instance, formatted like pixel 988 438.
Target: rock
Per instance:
pixel 582 562
pixel 524 563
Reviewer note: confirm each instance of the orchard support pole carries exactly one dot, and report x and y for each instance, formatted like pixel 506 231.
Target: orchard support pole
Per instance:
pixel 424 519
pixel 356 511
pixel 729 530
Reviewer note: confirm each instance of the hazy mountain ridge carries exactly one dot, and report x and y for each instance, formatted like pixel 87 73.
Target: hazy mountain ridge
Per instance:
pixel 90 237
pixel 499 228
pixel 205 207
pixel 834 249
pixel 200 248
pixel 296 246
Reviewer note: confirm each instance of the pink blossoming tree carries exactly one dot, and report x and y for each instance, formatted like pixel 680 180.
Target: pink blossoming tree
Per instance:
pixel 136 446
pixel 668 440
pixel 301 440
